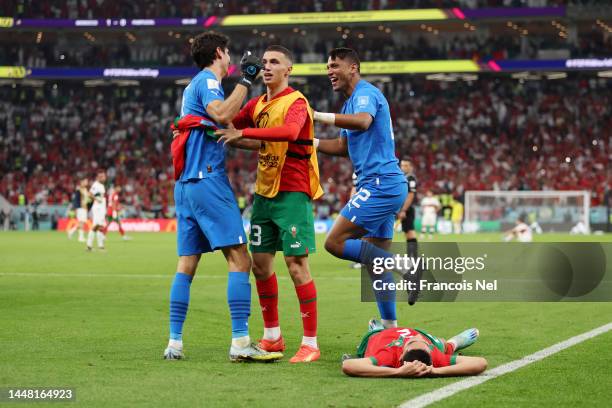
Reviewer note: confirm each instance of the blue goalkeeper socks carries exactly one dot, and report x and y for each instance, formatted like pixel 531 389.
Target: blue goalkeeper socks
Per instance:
pixel 239 301
pixel 179 303
pixel 365 252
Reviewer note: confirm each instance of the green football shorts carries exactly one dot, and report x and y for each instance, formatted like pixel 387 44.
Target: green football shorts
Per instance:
pixel 285 222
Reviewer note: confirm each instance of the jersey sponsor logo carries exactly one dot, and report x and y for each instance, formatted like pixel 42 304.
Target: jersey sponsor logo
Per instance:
pixel 362 101
pixel 269 160
pixel 212 84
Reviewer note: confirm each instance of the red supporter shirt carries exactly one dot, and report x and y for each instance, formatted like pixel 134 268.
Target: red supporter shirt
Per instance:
pixel 387 347
pixel 294 175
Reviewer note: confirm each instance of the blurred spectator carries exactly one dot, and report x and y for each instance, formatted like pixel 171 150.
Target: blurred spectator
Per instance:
pixel 200 8
pixel 493 133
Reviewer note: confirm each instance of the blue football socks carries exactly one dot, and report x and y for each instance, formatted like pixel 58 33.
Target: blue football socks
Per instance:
pixel 365 252
pixel 179 303
pixel 239 301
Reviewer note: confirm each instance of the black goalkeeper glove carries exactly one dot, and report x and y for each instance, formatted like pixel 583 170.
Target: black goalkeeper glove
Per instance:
pixel 250 66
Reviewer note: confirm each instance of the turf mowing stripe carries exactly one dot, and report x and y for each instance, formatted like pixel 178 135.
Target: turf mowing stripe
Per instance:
pixel 452 389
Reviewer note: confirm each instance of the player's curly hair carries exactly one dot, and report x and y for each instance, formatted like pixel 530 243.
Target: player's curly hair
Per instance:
pixel 204 47
pixel 417 354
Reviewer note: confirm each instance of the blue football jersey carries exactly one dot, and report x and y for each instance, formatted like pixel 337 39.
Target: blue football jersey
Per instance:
pixel 203 155
pixel 372 151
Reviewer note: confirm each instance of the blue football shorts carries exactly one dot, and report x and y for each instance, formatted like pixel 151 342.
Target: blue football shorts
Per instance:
pixel 207 216
pixel 374 206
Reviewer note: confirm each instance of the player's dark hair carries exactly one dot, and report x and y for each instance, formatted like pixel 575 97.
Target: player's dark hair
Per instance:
pixel 204 47
pixel 417 354
pixel 344 53
pixel 282 50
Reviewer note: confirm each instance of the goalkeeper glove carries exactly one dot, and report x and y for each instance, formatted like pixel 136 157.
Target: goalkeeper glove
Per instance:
pixel 250 66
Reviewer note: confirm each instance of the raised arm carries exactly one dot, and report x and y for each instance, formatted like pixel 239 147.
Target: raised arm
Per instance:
pixel 223 112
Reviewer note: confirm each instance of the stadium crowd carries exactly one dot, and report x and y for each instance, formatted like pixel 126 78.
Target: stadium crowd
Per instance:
pixel 199 8
pixel 493 133
pixel 376 47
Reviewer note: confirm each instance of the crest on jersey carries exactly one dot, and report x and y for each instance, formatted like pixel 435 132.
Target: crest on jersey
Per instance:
pixel 363 101
pixel 293 231
pixel 212 83
pixel 262 120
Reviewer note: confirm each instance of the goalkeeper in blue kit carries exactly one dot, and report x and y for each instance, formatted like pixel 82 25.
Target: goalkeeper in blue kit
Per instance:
pixel 208 217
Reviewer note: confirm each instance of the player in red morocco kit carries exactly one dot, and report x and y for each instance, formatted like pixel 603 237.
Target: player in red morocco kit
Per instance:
pixel 112 211
pixel 280 124
pixel 408 352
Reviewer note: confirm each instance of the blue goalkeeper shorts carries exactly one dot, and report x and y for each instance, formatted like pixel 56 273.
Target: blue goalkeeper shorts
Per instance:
pixel 374 206
pixel 207 216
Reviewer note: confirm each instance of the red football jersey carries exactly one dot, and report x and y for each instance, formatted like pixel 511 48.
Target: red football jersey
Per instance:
pixel 113 203
pixel 386 347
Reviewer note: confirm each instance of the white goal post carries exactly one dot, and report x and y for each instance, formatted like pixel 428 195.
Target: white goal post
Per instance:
pixel 554 210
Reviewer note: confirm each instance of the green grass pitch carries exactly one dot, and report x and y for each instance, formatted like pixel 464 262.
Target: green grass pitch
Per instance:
pixel 98 322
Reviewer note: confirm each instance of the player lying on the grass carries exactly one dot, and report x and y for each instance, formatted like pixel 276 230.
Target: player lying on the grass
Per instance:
pixel 207 213
pixel 407 352
pixel 521 232
pixel 364 228
pixel 279 125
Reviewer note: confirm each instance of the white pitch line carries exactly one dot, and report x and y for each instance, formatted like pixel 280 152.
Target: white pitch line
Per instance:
pixel 148 276
pixel 452 389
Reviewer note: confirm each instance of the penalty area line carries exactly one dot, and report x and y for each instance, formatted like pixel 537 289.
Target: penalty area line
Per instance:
pixel 452 389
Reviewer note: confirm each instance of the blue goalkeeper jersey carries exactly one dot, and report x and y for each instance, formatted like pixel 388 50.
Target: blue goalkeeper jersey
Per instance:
pixel 204 157
pixel 372 151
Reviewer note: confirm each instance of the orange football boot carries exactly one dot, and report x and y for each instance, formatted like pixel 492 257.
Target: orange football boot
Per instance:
pixel 306 354
pixel 272 345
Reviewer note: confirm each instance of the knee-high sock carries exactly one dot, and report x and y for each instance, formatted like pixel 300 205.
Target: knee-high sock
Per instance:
pixel 100 238
pixel 179 303
pixel 268 300
pixel 307 295
pixel 365 253
pixel 90 238
pixel 385 299
pixel 239 301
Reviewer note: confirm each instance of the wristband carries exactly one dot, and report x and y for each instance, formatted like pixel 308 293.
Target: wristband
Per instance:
pixel 245 82
pixel 327 118
pixel 315 143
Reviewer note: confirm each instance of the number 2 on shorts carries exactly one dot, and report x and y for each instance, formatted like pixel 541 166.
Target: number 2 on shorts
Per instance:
pixel 361 195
